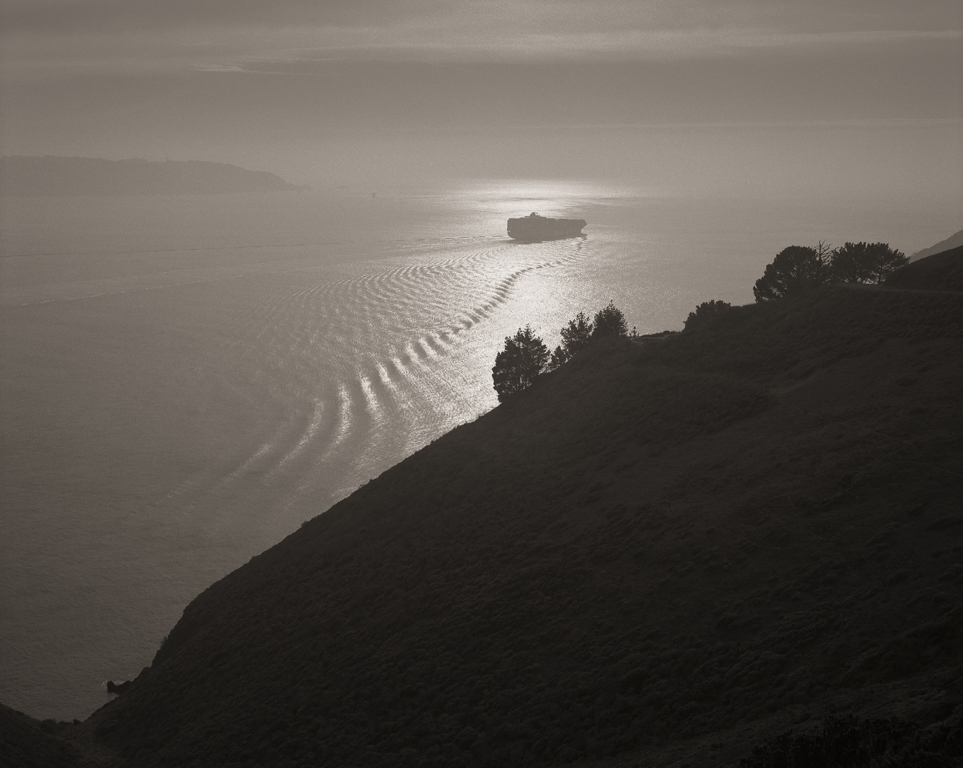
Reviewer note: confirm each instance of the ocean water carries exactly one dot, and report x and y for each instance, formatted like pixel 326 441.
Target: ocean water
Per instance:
pixel 185 380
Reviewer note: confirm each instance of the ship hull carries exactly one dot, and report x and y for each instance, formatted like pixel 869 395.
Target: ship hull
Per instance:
pixel 533 228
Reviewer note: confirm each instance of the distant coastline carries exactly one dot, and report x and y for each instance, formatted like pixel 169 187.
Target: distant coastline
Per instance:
pixel 71 176
pixel 953 241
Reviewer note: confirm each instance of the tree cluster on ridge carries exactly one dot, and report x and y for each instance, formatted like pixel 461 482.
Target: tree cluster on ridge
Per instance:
pixel 525 355
pixel 794 270
pixel 799 268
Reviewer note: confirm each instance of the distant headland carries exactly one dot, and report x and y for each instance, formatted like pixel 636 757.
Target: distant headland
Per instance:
pixel 69 176
pixel 953 241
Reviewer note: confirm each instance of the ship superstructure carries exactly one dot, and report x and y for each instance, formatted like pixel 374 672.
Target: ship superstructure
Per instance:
pixel 534 227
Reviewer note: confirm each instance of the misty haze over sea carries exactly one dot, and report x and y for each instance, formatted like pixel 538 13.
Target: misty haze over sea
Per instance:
pixel 186 379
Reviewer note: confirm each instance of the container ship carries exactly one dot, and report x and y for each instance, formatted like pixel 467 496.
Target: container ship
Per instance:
pixel 534 227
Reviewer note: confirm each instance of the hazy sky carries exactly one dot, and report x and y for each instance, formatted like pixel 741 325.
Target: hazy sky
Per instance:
pixel 747 97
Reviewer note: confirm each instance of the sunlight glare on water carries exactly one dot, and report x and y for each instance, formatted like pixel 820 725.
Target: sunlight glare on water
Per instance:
pixel 175 398
pixel 506 198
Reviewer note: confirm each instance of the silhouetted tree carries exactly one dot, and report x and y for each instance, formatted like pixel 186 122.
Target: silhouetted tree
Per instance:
pixel 866 262
pixel 575 336
pixel 705 313
pixel 577 333
pixel 519 364
pixel 609 322
pixel 559 356
pixel 795 269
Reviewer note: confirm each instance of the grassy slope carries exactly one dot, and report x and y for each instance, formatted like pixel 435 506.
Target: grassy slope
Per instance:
pixel 28 743
pixel 953 241
pixel 661 553
pixel 941 271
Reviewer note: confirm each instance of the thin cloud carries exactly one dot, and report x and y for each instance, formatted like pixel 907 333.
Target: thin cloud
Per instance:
pixel 78 16
pixel 220 68
pixel 296 50
pixel 325 46
pixel 117 16
pixel 51 38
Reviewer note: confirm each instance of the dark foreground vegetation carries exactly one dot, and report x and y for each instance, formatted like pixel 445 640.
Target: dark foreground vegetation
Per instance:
pixel 939 272
pixel 525 356
pixel 26 743
pixel 795 270
pixel 847 741
pixel 800 268
pixel 717 547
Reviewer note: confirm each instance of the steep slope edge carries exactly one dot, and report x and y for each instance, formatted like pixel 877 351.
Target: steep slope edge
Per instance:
pixel 28 742
pixel 658 552
pixel 942 271
pixel 953 241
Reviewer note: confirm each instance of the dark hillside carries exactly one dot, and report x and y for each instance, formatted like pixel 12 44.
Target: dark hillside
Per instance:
pixel 953 241
pixel 27 743
pixel 660 554
pixel 940 272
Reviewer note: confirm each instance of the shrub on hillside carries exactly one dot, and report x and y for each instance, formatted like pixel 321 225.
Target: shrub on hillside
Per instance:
pixel 706 313
pixel 525 356
pixel 517 366
pixel 575 336
pixel 794 270
pixel 866 262
pixel 799 268
pixel 609 322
